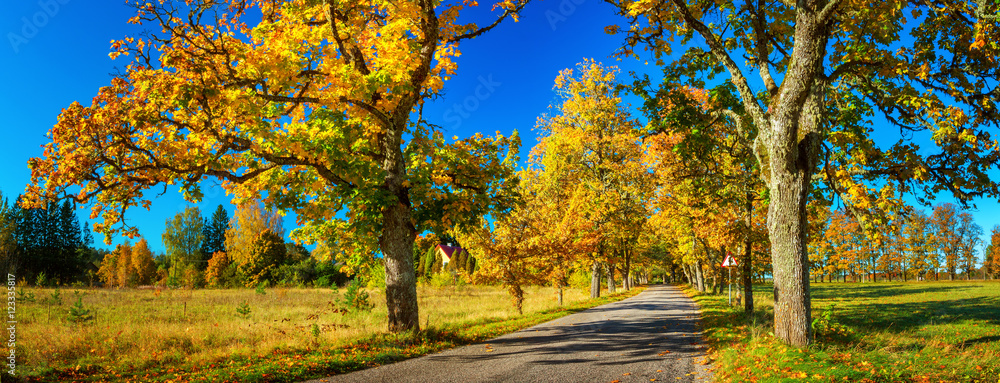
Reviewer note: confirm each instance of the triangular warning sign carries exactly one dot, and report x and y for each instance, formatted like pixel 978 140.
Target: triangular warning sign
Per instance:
pixel 729 261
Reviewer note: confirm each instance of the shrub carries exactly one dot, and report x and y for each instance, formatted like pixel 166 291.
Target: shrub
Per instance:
pixel 42 280
pixel 77 313
pixel 442 279
pixel 220 271
pixel 243 310
pixel 329 275
pixel 356 298
pixel 193 277
pixel 300 273
pixel 580 279
pixel 55 298
pixel 376 277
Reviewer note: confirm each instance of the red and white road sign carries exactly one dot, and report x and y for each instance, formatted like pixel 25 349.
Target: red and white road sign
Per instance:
pixel 729 262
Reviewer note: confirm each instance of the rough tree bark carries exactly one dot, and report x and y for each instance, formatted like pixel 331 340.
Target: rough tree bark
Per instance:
pixel 610 268
pixel 748 260
pixel 699 276
pixel 793 155
pixel 595 280
pixel 396 241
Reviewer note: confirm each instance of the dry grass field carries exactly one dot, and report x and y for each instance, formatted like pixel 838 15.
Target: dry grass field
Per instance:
pixel 134 329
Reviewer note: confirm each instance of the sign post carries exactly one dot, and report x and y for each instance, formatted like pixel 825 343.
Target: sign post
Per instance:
pixel 729 263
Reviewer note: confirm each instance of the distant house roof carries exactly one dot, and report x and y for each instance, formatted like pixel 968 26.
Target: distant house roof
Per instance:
pixel 448 251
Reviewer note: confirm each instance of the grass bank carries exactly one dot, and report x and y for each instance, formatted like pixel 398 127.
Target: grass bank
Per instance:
pixel 881 332
pixel 288 335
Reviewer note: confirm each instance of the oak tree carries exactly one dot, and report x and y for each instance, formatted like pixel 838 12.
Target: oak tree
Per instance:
pixel 315 107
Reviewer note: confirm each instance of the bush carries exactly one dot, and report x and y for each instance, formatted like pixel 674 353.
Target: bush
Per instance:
pixel 301 273
pixel 376 277
pixel 193 277
pixel 77 313
pixel 329 275
pixel 243 310
pixel 356 298
pixel 580 279
pixel 221 271
pixel 442 279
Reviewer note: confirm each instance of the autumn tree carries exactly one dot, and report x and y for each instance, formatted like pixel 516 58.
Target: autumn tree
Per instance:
pixel 825 67
pixel 314 106
pixel 505 252
pixel 991 263
pixel 970 235
pixel 182 238
pixel 562 234
pixel 705 172
pixel 593 142
pixel 946 236
pixel 265 254
pixel 142 265
pixel 220 272
pixel 917 242
pixel 112 265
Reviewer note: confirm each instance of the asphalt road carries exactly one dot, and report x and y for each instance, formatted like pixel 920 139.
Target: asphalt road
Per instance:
pixel 653 335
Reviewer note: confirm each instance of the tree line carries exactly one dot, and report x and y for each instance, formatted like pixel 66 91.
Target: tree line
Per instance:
pixel 46 245
pixel 912 246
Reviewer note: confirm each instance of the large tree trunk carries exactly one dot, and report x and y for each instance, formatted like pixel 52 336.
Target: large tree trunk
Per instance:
pixel 560 286
pixel 595 280
pixel 793 151
pixel 793 157
pixel 747 274
pixel 627 272
pixel 396 241
pixel 611 277
pixel 699 276
pixel 400 280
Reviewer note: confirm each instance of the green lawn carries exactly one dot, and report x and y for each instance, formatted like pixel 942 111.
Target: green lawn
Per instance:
pixel 881 332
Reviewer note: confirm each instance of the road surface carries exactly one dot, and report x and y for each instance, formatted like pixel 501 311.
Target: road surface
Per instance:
pixel 653 336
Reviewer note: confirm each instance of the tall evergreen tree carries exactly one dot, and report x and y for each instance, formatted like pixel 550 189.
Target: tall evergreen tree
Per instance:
pixel 8 243
pixel 48 240
pixel 214 232
pixel 70 237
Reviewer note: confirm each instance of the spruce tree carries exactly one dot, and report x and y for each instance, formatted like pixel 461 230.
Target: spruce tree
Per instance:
pixel 428 262
pixel 214 232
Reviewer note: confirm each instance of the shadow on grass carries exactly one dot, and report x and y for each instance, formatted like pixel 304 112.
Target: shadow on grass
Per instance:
pixel 898 317
pixel 870 290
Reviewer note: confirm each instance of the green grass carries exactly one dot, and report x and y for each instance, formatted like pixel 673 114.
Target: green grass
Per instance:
pixel 882 332
pixel 150 336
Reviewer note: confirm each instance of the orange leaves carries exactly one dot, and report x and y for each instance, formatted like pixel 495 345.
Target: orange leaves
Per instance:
pixel 295 108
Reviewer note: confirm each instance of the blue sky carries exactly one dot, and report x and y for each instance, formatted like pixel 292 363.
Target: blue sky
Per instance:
pixel 55 52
